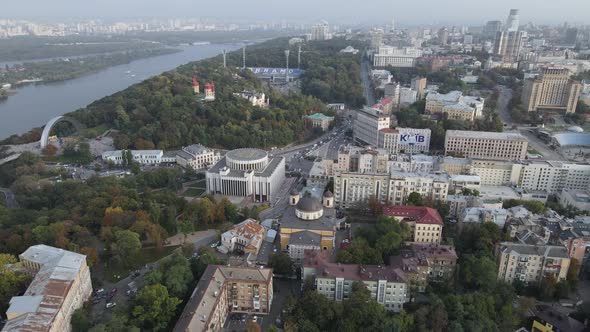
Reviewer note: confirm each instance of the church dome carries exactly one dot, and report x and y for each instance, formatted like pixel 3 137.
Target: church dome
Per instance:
pixel 328 194
pixel 309 204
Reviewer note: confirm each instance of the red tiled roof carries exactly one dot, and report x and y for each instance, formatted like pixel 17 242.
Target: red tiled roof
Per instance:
pixel 419 214
pixel 388 130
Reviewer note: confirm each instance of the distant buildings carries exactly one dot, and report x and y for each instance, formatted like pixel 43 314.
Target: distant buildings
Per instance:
pixel 61 284
pixel 319 120
pixel 247 173
pixel 209 91
pixel 387 284
pixel 396 57
pixel 418 84
pixel 455 106
pixel 425 223
pixel 486 145
pixel 531 263
pixel 579 199
pixel 483 215
pixel 245 237
pixel 508 42
pixel 359 160
pixel 320 31
pixel 255 98
pixel 553 90
pixel 197 157
pixel 223 290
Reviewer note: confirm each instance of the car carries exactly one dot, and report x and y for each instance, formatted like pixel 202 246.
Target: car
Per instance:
pixel 213 245
pixel 110 305
pixel 98 290
pixel 255 319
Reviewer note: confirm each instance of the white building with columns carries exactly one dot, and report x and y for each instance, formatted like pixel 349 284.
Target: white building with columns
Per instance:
pixel 247 173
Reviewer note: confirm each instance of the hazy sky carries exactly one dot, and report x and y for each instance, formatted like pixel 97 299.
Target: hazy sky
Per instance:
pixel 404 11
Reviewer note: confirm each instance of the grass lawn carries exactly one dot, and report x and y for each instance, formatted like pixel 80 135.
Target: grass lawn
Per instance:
pixel 194 192
pixel 533 151
pixel 146 255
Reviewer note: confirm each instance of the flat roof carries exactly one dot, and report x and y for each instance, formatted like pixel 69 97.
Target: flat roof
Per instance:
pixel 485 135
pixel 246 154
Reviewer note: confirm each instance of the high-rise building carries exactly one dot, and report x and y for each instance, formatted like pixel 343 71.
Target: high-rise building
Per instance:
pixel 571 35
pixel 513 21
pixel 367 125
pixel 321 31
pixel 418 84
pixel 443 36
pixel 491 28
pixel 552 90
pixel 508 45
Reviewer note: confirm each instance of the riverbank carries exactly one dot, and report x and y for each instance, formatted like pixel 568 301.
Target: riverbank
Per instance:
pixel 67 69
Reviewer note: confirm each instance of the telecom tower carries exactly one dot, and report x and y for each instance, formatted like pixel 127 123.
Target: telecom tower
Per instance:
pixel 287 72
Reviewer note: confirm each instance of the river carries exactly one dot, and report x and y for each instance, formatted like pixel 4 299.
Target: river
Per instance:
pixel 34 105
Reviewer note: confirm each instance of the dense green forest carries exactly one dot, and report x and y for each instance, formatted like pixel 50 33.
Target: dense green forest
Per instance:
pixel 163 112
pixel 65 69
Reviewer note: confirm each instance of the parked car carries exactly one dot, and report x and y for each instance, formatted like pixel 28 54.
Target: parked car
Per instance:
pixel 98 290
pixel 110 305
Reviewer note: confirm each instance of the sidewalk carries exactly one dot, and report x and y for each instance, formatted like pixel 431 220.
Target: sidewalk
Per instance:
pixel 178 239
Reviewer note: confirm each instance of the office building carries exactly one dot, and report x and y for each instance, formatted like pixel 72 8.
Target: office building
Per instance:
pixel 508 45
pixel 319 120
pixel 61 284
pixel 356 188
pixel 367 124
pixel 396 57
pixel 495 172
pixel 388 285
pixel 247 173
pixel 197 157
pixel 425 223
pixel 513 20
pixel 531 263
pixel 554 176
pixel 245 237
pixel 404 140
pixel 491 28
pixel 552 90
pixel 142 157
pixel 418 84
pixel 443 36
pixel 486 145
pixel 223 290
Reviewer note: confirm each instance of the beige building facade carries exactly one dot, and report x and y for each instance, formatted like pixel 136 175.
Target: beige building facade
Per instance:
pixel 531 263
pixel 486 145
pixel 553 90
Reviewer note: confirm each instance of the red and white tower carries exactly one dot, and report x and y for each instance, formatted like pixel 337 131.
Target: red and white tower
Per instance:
pixel 209 91
pixel 196 87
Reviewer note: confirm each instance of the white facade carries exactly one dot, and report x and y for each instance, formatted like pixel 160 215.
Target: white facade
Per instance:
pixel 579 199
pixel 197 157
pixel 486 145
pixel 143 157
pixel 396 57
pixel 412 140
pixel 554 176
pixel 247 173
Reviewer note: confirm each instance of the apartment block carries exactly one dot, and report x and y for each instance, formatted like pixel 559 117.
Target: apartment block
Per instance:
pixel 388 285
pixel 531 263
pixel 425 223
pixel 485 145
pixel 61 284
pixel 431 186
pixel 223 290
pixel 355 159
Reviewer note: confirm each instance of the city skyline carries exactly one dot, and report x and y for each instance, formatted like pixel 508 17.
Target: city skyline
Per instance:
pixel 429 12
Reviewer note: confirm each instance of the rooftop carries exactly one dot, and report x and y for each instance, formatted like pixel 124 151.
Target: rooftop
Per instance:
pixel 527 249
pixel 43 299
pixel 204 299
pixel 246 154
pixel 305 238
pixel 419 214
pixel 320 117
pixel 485 135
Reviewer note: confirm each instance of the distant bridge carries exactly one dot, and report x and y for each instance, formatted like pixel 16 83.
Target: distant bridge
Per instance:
pixel 53 122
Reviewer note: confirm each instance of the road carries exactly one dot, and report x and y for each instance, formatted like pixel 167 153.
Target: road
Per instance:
pixel 11 203
pixel 502 104
pixel 365 71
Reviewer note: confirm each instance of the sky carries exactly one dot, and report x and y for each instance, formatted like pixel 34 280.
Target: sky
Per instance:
pixel 339 11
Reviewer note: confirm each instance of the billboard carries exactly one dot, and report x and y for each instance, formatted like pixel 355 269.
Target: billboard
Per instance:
pixel 261 71
pixel 414 137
